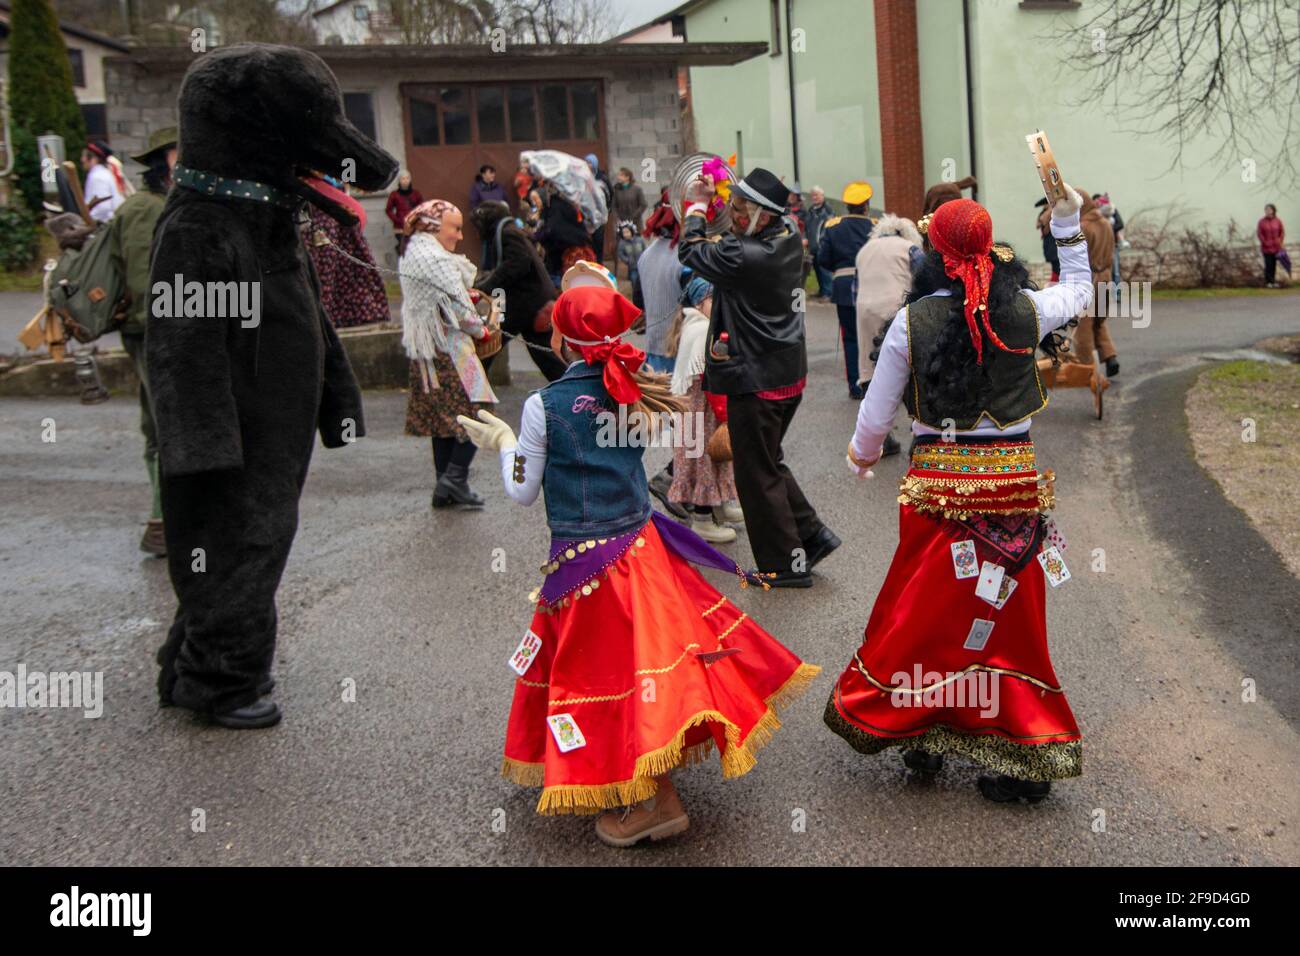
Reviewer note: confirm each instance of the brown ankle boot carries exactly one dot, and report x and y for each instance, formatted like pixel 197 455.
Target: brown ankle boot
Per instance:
pixel 154 542
pixel 657 817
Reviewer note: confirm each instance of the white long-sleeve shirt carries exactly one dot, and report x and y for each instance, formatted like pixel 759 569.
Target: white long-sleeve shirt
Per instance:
pixel 523 465
pixel 100 182
pixel 1056 306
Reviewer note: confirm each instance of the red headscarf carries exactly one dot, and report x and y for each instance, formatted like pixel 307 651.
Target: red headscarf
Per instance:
pixel 963 233
pixel 593 319
pixel 664 218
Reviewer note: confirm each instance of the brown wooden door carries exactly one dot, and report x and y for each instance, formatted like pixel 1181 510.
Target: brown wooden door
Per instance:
pixel 454 129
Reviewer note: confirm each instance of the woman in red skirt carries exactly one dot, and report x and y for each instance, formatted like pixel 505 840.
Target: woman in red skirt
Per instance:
pixel 633 664
pixel 954 659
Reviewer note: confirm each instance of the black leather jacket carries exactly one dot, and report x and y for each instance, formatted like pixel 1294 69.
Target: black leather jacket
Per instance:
pixel 755 279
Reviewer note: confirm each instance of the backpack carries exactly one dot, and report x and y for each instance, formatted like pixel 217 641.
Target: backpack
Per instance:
pixel 87 287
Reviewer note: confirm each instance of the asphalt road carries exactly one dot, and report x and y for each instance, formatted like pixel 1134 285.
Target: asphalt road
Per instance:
pixel 405 602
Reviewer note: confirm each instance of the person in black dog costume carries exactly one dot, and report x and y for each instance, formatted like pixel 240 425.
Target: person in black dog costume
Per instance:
pixel 238 398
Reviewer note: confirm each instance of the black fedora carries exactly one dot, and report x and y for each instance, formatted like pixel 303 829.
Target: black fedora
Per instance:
pixel 763 187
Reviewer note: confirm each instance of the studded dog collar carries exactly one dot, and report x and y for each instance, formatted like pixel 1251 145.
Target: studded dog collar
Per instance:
pixel 210 184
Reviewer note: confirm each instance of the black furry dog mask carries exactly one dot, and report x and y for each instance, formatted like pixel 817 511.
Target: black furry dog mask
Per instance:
pixel 274 115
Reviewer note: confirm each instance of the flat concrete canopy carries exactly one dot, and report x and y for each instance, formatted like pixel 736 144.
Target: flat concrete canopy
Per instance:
pixel 576 55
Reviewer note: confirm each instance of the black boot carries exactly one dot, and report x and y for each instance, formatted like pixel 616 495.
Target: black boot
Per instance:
pixel 261 713
pixel 892 447
pixel 453 489
pixel 923 762
pixel 1112 367
pixel 1001 788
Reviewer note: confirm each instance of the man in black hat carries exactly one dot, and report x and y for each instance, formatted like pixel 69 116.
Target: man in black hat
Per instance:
pixel 132 236
pixel 756 357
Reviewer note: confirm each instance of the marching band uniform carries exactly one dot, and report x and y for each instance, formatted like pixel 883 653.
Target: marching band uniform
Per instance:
pixel 638 665
pixel 979 493
pixel 841 240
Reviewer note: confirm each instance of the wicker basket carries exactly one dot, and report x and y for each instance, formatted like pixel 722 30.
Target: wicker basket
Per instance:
pixel 490 344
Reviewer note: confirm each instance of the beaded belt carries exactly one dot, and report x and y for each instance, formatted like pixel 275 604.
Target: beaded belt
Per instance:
pixel 960 479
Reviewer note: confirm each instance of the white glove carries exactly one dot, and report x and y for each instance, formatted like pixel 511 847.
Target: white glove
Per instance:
pixel 861 471
pixel 490 432
pixel 1069 206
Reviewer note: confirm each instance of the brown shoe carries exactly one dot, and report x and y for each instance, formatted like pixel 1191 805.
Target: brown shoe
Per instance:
pixel 658 818
pixel 154 542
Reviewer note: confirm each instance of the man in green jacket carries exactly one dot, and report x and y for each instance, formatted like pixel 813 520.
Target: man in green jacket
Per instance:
pixel 132 235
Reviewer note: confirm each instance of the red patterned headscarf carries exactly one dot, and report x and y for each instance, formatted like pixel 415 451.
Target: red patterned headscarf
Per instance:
pixel 963 233
pixel 427 217
pixel 593 319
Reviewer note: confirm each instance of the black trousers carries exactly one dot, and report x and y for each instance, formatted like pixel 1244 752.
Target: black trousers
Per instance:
pixel 1270 267
pixel 778 518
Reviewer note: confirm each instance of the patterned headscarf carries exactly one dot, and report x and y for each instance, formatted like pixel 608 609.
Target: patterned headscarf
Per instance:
pixel 427 217
pixel 963 233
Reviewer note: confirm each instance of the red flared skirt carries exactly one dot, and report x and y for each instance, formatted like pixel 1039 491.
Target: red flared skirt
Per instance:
pixel 623 662
pixel 915 682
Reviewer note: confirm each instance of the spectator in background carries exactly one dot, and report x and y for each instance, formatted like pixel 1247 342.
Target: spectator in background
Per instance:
pixel 602 183
pixel 514 266
pixel 841 240
pixel 486 188
pixel 104 189
pixel 630 247
pixel 1092 338
pixel 1271 234
pixel 661 287
pixel 562 234
pixel 401 201
pixel 1049 241
pixel 795 207
pixel 1111 213
pixel 131 232
pixel 884 278
pixel 629 200
pixel 814 221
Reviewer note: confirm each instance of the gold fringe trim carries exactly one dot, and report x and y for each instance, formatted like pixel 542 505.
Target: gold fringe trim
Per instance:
pixel 524 774
pixel 1040 762
pixel 737 759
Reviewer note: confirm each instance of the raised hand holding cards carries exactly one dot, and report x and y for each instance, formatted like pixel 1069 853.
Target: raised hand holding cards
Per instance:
pixel 979 634
pixel 1054 566
pixel 964 564
pixel 525 653
pixel 566 733
pixel 990 582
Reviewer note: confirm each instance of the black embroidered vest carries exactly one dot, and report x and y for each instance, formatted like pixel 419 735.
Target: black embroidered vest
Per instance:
pixel 1016 391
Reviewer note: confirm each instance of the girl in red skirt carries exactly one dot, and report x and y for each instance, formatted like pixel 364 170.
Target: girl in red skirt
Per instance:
pixel 633 664
pixel 954 659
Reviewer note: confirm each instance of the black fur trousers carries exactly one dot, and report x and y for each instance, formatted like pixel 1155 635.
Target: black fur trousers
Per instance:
pixel 228 537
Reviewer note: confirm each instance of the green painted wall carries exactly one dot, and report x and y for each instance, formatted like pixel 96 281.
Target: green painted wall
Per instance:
pixel 943 90
pixel 1020 84
pixel 835 91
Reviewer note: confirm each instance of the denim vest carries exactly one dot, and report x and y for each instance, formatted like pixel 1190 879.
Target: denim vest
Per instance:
pixel 591 491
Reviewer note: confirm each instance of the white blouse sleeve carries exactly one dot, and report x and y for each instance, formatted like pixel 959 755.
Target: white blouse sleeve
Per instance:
pixel 880 404
pixel 1073 294
pixel 522 466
